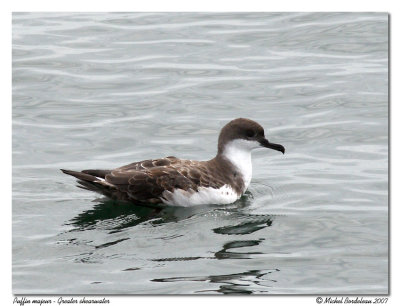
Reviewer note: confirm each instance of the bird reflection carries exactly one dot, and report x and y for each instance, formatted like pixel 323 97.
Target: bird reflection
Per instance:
pixel 252 224
pixel 232 283
pixel 116 216
pixel 113 215
pixel 226 252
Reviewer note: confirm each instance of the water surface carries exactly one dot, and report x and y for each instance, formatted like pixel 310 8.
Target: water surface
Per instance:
pixel 103 90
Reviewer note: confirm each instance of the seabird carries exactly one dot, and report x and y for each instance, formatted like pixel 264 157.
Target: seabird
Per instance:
pixel 174 181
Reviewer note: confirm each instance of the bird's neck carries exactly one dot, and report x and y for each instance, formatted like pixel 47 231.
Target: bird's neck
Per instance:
pixel 240 157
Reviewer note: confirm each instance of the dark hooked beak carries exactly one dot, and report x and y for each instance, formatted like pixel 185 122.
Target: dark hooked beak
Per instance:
pixel 265 143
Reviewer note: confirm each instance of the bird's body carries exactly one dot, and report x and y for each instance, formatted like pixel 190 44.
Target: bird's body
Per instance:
pixel 173 181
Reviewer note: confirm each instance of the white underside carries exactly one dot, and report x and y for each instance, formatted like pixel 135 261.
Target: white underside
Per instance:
pixel 204 195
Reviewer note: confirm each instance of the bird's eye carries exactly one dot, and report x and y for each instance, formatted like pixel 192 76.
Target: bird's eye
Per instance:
pixel 249 133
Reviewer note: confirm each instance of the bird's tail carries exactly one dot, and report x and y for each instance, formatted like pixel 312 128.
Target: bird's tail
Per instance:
pixel 93 180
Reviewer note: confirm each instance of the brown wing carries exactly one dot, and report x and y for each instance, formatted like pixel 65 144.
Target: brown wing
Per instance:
pixel 147 180
pixel 150 163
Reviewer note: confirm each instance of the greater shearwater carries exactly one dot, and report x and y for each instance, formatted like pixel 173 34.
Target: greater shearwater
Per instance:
pixel 174 181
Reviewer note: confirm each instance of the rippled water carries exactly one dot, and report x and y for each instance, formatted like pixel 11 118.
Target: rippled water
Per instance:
pixel 102 90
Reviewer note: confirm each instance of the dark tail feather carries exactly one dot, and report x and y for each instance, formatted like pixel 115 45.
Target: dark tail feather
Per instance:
pixel 90 182
pixel 80 175
pixel 98 173
pixel 96 187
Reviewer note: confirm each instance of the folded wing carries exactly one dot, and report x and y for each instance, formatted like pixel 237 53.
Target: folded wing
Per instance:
pixel 149 184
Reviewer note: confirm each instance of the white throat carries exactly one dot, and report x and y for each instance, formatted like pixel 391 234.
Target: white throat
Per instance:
pixel 238 152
